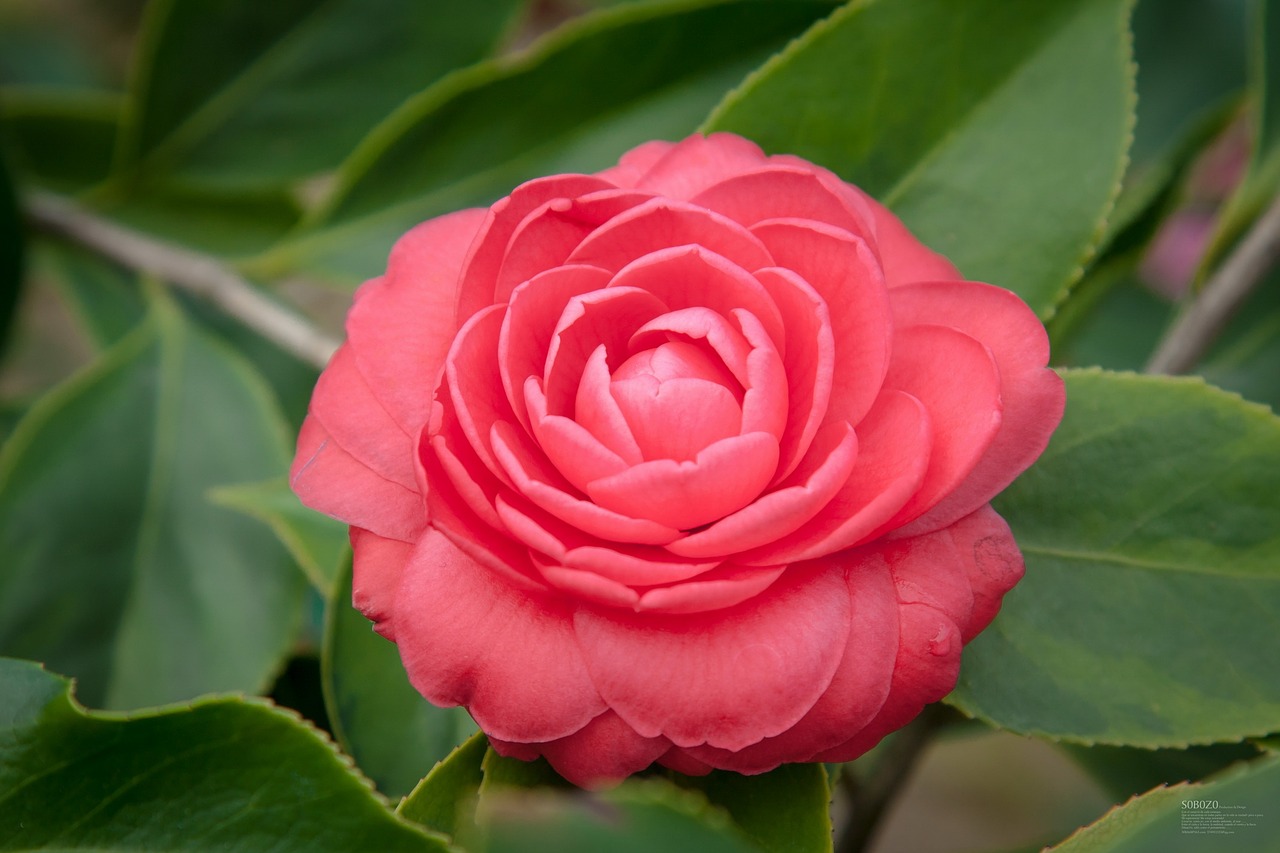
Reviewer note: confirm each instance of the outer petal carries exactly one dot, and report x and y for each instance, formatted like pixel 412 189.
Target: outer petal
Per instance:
pixel 728 677
pixel 698 162
pixel 401 325
pixel 991 560
pixel 327 478
pixel 905 258
pixel 603 753
pixel 468 638
pixel 1031 395
pixel 377 564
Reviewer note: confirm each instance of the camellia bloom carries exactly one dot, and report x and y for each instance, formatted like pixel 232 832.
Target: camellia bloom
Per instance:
pixel 687 461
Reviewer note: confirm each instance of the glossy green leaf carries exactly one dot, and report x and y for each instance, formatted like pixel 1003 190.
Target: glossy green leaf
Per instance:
pixel 242 93
pixel 638 817
pixel 318 543
pixel 12 251
pixel 996 130
pixel 217 774
pixel 118 569
pixel 503 772
pixel 394 734
pixel 1125 771
pixel 573 102
pixel 787 810
pixel 439 800
pixel 1234 813
pixel 62 139
pixel 1151 531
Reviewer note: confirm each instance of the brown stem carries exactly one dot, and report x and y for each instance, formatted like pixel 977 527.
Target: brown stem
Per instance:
pixel 196 273
pixel 869 797
pixel 1198 326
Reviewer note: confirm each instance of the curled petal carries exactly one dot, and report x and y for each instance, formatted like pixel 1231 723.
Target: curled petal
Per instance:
pixel 1032 397
pixel 781 190
pixel 604 752
pixel 697 162
pixel 471 371
pixel 727 677
pixel 468 638
pixel 723 586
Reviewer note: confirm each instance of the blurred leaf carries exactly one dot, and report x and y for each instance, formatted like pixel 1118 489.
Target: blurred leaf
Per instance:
pixel 318 543
pixel 118 569
pixel 640 816
pixel 218 774
pixel 787 810
pixel 1125 771
pixel 575 101
pixel 438 800
pixel 951 114
pixel 1151 531
pixel 1262 178
pixel 503 772
pixel 1247 357
pixel 62 139
pixel 1242 819
pixel 1117 329
pixel 394 734
pixel 12 250
pixel 246 93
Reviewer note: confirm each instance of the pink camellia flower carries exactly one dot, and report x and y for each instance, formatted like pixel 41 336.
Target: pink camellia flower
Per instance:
pixel 687 461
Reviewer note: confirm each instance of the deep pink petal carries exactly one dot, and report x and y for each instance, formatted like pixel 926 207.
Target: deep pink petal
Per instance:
pixel 510 656
pixel 1032 396
pixel 905 258
pixel 846 274
pixel 664 223
pixel 957 379
pixel 723 478
pixel 858 689
pixel 530 322
pixel 723 586
pixel 925 670
pixel 633 165
pixel 677 418
pixel 992 561
pixel 587 586
pixel 698 162
pixel 550 233
pixel 475 386
pixel 727 677
pixel 601 318
pixel 484 260
pixel 376 567
pixel 327 478
pixel 541 484
pixel 681 761
pixel 782 511
pixel 401 325
pixel 695 276
pixel 596 409
pixel 354 418
pixel 601 754
pixel 781 190
pixel 893 453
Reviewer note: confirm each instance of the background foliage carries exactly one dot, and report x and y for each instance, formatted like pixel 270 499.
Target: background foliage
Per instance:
pixel 1102 159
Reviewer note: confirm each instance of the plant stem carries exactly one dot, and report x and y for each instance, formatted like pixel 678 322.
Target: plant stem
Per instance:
pixel 194 272
pixel 869 798
pixel 1194 331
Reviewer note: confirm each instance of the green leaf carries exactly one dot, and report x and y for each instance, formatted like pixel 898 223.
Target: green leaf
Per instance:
pixel 996 130
pixel 1234 813
pixel 640 816
pixel 785 811
pixel 285 89
pixel 1151 531
pixel 575 101
pixel 318 543
pixel 218 774
pixel 392 732
pixel 62 139
pixel 1125 771
pixel 12 250
pixel 105 299
pixel 118 569
pixel 502 772
pixel 439 800
pixel 1247 357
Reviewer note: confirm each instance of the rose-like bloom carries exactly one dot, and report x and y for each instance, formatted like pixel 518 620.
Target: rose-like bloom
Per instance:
pixel 687 461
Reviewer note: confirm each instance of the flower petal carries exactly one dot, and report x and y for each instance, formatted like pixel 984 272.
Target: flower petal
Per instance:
pixel 602 753
pixel 377 564
pixel 905 258
pixel 510 656
pixel 727 677
pixel 1032 396
pixel 401 325
pixel 698 162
